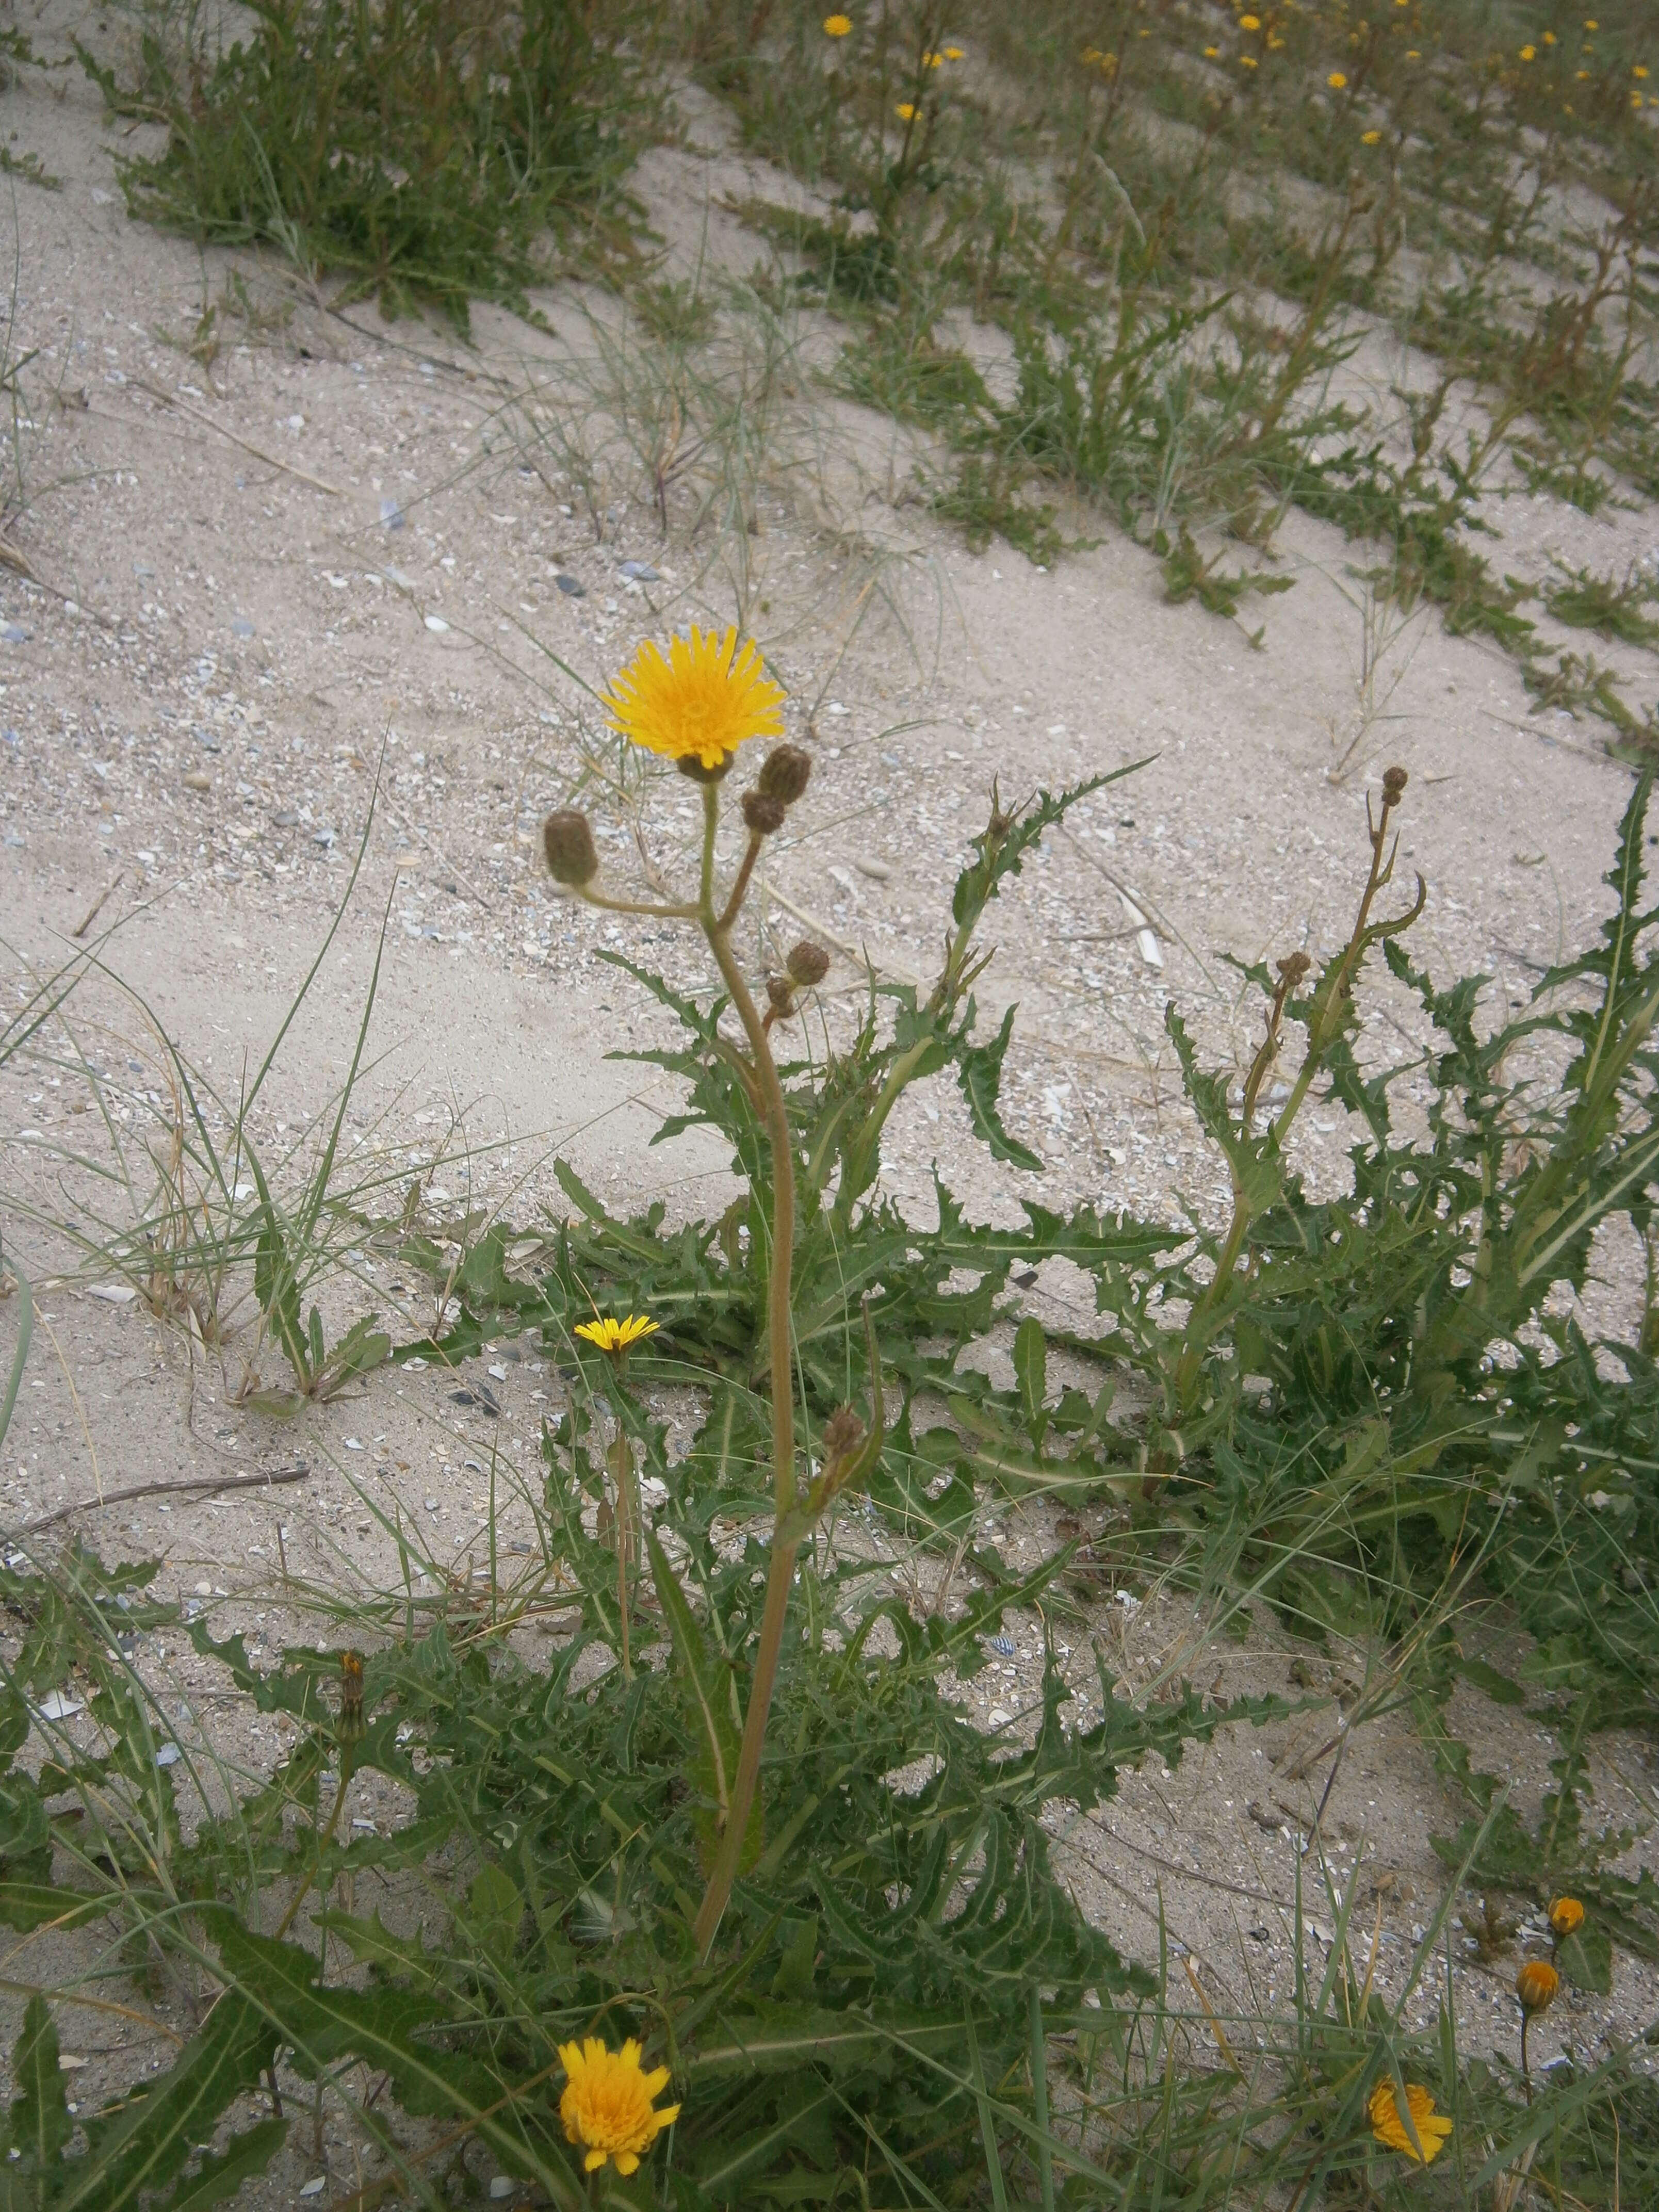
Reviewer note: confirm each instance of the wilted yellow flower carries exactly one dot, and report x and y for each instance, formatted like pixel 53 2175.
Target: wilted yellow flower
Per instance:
pixel 1336 80
pixel 1537 1985
pixel 1567 1914
pixel 1370 137
pixel 614 1336
pixel 837 27
pixel 1390 2130
pixel 906 111
pixel 710 695
pixel 606 2106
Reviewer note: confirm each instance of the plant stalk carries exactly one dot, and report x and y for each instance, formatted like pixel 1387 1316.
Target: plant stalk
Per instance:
pixel 781 1575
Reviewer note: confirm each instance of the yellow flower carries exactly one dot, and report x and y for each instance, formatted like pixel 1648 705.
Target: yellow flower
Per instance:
pixel 1590 23
pixel 1413 55
pixel 1249 23
pixel 1370 137
pixel 1212 53
pixel 1638 70
pixel 906 111
pixel 1528 53
pixel 1567 1914
pixel 1248 61
pixel 1549 38
pixel 615 1336
pixel 1583 75
pixel 1390 2130
pixel 606 2105
pixel 1537 1985
pixel 1336 80
pixel 836 26
pixel 954 53
pixel 708 697
pixel 932 61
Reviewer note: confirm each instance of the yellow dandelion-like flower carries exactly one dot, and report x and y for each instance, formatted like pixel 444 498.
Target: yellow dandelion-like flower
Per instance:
pixel 1390 2129
pixel 1249 23
pixel 710 695
pixel 1370 137
pixel 1583 75
pixel 1566 1915
pixel 606 2106
pixel 837 27
pixel 1549 38
pixel 906 111
pixel 615 1336
pixel 955 53
pixel 1247 61
pixel 1336 81
pixel 1638 70
pixel 932 61
pixel 1413 55
pixel 1528 53
pixel 1212 53
pixel 1590 23
pixel 1636 100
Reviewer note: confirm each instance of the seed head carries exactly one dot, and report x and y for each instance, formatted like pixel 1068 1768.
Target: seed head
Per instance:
pixel 808 964
pixel 1293 967
pixel 763 813
pixel 1393 785
pixel 569 844
pixel 1537 1985
pixel 785 773
pixel 781 993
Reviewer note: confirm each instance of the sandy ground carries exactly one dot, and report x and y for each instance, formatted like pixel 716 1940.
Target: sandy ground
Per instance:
pixel 330 552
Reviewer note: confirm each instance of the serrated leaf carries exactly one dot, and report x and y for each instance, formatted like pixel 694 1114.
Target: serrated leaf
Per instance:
pixel 41 2124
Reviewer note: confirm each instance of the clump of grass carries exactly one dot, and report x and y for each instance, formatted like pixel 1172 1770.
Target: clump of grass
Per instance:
pixel 425 149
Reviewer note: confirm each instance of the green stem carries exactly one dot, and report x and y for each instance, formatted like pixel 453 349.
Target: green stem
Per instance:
pixel 782 1571
pixel 621 1473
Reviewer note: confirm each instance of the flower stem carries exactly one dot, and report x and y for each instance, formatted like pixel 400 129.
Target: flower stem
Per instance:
pixel 622 1472
pixel 780 1574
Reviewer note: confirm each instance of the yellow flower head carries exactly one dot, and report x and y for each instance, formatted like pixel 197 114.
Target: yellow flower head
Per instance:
pixel 954 53
pixel 906 111
pixel 1249 23
pixel 836 26
pixel 1537 1985
pixel 615 1336
pixel 1549 38
pixel 1567 1914
pixel 1247 61
pixel 1390 2130
pixel 1211 53
pixel 708 697
pixel 1413 55
pixel 606 2106
pixel 1528 53
pixel 1336 80
pixel 1638 70
pixel 1370 137
pixel 1590 23
pixel 932 61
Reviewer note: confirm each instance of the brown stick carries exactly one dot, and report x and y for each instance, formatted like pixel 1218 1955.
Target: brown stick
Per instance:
pixel 199 1483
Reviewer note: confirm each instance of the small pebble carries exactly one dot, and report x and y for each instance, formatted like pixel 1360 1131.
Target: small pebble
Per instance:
pixel 436 623
pixel 640 572
pixel 240 627
pixel 570 588
pixel 391 514
pixel 198 780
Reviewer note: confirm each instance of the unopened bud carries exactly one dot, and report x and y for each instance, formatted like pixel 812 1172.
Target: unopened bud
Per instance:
pixel 761 813
pixel 569 843
pixel 1394 783
pixel 785 773
pixel 1293 967
pixel 843 1434
pixel 808 964
pixel 781 993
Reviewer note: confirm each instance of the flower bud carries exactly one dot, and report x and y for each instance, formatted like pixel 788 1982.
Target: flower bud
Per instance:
pixel 1536 1986
pixel 763 814
pixel 785 773
pixel 1293 967
pixel 569 843
pixel 1393 785
pixel 844 1435
pixel 781 993
pixel 808 964
pixel 1566 1915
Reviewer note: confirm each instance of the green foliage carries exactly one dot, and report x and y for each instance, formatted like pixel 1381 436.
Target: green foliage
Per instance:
pixel 421 149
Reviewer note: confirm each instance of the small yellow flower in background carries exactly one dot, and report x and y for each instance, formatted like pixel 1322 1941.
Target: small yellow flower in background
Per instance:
pixel 613 1336
pixel 932 61
pixel 1413 55
pixel 1212 53
pixel 1638 70
pixel 1390 2130
pixel 955 53
pixel 706 699
pixel 1583 75
pixel 1636 100
pixel 1549 38
pixel 1336 80
pixel 1567 1914
pixel 1537 1985
pixel 906 111
pixel 1249 23
pixel 1590 23
pixel 606 2106
pixel 1370 137
pixel 1528 53
pixel 836 26
pixel 1247 60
